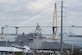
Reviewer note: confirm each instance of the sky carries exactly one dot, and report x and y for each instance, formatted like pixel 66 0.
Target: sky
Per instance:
pixel 30 12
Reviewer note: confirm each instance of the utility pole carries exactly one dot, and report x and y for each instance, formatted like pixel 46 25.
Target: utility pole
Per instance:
pixel 61 44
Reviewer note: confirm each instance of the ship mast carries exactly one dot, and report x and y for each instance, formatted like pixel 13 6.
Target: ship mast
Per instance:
pixel 38 28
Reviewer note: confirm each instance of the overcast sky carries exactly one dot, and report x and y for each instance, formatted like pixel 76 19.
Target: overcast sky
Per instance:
pixel 30 12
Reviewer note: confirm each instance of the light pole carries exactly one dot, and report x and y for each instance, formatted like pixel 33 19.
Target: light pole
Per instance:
pixel 61 44
pixel 72 49
pixel 6 42
pixel 37 41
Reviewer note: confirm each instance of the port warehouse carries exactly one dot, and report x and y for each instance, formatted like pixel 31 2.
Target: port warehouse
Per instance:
pixel 9 50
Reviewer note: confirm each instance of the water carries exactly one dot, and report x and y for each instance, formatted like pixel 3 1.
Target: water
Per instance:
pixel 73 40
pixel 7 37
pixel 70 40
